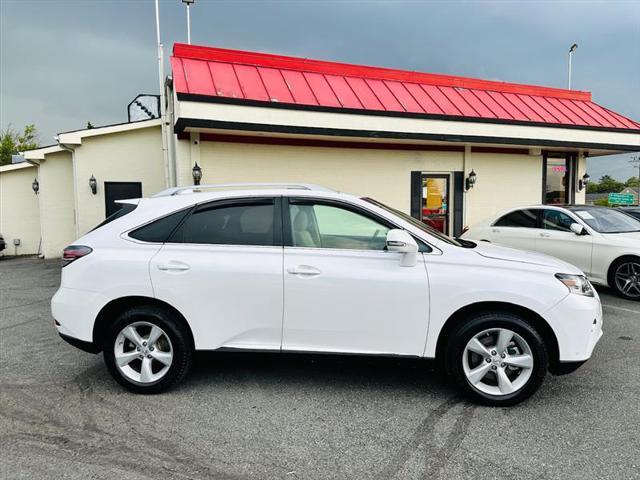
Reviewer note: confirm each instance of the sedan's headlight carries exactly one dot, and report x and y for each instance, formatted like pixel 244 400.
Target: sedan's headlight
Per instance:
pixel 577 284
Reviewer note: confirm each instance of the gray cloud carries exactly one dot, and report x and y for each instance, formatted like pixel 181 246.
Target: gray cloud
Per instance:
pixel 66 62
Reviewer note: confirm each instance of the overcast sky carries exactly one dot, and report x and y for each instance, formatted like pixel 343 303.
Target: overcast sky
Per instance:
pixel 64 62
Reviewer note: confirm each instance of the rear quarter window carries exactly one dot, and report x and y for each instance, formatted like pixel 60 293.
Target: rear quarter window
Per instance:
pixel 160 230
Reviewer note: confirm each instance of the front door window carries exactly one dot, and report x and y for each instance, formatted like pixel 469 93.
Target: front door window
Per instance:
pixel 435 202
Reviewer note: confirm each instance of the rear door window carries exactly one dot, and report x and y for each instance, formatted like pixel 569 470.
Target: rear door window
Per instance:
pixel 243 222
pixel 519 219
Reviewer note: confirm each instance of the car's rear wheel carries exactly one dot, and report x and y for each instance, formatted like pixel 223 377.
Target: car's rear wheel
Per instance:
pixel 624 277
pixel 147 350
pixel 497 359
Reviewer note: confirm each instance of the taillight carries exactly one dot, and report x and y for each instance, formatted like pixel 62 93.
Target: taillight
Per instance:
pixel 74 252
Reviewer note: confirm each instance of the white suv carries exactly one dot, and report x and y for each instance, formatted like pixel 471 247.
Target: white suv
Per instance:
pixel 300 268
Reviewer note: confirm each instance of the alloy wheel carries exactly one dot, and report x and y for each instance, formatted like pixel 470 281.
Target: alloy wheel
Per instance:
pixel 497 362
pixel 627 278
pixel 143 352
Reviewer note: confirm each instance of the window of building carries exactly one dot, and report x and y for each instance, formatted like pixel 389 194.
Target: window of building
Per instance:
pixel 329 226
pixel 248 223
pixel 518 219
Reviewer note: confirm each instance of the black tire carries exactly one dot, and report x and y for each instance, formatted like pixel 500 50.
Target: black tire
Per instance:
pixel 611 277
pixel 467 329
pixel 179 336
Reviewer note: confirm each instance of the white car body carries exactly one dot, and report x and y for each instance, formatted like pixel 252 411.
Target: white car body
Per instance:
pixel 593 253
pixel 299 299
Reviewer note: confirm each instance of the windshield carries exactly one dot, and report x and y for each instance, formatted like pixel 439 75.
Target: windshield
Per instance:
pixel 606 220
pixel 415 222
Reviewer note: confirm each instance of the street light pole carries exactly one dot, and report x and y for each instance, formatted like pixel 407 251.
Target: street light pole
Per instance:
pixel 571 50
pixel 163 109
pixel 188 4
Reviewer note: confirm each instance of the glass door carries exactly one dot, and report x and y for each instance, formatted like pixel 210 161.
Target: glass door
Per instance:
pixel 436 203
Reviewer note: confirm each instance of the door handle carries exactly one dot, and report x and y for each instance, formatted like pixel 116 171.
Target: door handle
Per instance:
pixel 173 266
pixel 495 230
pixel 305 270
pixel 545 235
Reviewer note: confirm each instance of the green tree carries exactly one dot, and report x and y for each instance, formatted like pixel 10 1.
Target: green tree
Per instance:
pixel 608 184
pixel 633 182
pixel 12 142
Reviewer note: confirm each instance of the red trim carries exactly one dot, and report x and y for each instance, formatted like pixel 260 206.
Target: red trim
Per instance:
pixel 197 52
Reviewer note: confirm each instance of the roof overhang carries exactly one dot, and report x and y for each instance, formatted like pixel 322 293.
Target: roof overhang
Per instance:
pixel 76 137
pixel 16 166
pixel 215 117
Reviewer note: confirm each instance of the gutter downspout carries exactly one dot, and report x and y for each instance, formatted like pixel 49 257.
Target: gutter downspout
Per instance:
pixel 76 216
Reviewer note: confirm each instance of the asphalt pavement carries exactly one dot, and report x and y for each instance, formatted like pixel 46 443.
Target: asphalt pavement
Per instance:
pixel 272 416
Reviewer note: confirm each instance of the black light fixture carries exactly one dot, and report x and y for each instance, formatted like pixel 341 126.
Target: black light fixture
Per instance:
pixel 196 172
pixel 35 186
pixel 584 181
pixel 470 180
pixel 93 184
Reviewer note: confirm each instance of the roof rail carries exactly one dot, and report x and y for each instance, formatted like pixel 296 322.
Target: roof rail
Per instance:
pixel 230 186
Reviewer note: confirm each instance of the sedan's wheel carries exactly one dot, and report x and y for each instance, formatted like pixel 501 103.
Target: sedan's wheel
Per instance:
pixel 147 349
pixel 497 358
pixel 626 278
pixel 143 352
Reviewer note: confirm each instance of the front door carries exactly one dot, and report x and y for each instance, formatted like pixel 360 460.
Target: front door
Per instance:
pixel 436 203
pixel 555 238
pixel 119 191
pixel 343 291
pixel 222 268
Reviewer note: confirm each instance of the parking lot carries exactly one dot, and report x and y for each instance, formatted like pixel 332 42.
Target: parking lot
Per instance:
pixel 280 416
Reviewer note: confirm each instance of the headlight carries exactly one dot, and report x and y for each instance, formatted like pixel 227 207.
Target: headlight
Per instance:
pixel 577 284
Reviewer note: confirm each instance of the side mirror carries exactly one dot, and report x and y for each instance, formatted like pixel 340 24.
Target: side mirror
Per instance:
pixel 577 229
pixel 401 242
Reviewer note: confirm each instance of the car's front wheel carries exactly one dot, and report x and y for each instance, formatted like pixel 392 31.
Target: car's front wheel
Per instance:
pixel 624 277
pixel 147 350
pixel 497 359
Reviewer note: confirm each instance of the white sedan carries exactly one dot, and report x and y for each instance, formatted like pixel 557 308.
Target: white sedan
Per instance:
pixel 602 242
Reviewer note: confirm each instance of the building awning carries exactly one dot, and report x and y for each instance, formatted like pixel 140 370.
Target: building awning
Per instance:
pixel 205 74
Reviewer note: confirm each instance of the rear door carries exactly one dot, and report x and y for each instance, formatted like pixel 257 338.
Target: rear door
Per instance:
pixel 222 268
pixel 516 229
pixel 555 238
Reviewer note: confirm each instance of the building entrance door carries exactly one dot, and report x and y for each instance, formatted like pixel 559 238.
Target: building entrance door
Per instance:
pixel 436 203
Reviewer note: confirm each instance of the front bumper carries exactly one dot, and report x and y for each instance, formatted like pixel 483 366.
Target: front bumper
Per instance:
pixel 577 323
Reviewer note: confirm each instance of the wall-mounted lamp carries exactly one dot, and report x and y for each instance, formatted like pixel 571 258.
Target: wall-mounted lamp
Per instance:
pixel 35 186
pixel 583 182
pixel 93 184
pixel 196 172
pixel 470 180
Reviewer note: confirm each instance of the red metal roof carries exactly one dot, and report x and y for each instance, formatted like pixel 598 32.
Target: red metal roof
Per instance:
pixel 249 77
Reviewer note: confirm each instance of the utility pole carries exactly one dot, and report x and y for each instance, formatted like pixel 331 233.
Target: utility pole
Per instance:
pixel 573 48
pixel 188 4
